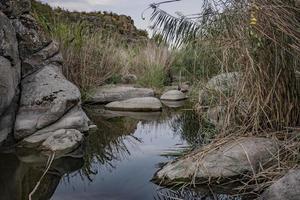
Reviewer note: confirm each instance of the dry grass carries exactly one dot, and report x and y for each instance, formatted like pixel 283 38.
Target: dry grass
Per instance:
pixel 95 59
pixel 94 62
pixel 261 40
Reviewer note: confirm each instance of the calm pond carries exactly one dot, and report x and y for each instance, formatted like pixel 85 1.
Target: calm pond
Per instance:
pixel 118 163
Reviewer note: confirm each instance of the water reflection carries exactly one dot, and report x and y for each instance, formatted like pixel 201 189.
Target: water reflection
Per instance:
pixel 195 130
pixel 117 160
pixel 18 178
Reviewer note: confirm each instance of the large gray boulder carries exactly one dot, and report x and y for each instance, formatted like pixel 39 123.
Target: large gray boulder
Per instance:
pixel 234 158
pixel 46 97
pixel 287 188
pixel 74 119
pixel 218 87
pixel 143 104
pixel 110 93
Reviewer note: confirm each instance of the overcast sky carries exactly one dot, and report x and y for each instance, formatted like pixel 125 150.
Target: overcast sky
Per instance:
pixel 133 8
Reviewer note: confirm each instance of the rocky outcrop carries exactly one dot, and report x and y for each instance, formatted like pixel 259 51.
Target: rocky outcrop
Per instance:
pixel 9 75
pixel 110 93
pixel 287 188
pixel 234 158
pixel 15 8
pixel 30 62
pixel 143 104
pixel 46 97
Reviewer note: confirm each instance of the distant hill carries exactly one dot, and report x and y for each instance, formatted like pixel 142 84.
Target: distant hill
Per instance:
pixel 106 22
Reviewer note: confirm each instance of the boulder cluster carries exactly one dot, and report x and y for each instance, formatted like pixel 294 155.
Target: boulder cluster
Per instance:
pixel 35 96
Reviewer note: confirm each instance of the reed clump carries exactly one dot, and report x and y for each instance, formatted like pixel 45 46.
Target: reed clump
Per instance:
pixel 260 40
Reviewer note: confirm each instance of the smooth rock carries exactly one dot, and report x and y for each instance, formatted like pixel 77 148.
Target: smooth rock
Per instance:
pixel 143 104
pixel 62 141
pixel 46 96
pixel 73 119
pixel 233 158
pixel 173 95
pixel 110 93
pixel 35 140
pixel 286 188
pixel 218 87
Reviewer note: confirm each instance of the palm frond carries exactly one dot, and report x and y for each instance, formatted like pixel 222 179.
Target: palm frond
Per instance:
pixel 177 30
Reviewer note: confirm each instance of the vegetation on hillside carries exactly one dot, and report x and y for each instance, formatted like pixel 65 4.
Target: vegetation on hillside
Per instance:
pixel 104 22
pixel 101 47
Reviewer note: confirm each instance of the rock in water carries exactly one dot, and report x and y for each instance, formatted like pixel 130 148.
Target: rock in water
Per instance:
pixel 218 87
pixel 62 141
pixel 110 93
pixel 46 96
pixel 286 188
pixel 173 95
pixel 231 159
pixel 144 104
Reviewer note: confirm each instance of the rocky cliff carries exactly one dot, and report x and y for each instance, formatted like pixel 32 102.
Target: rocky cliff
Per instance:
pixel 35 97
pixel 104 22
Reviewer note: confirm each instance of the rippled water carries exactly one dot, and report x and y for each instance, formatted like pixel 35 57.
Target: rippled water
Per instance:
pixel 119 160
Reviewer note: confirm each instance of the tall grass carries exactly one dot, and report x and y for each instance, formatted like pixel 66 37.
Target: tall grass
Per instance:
pixel 94 58
pixel 152 63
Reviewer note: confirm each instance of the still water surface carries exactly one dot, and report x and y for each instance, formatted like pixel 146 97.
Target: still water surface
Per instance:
pixel 119 160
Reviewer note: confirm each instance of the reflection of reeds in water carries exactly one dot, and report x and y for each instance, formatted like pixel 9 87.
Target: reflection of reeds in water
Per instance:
pixel 192 128
pixel 107 145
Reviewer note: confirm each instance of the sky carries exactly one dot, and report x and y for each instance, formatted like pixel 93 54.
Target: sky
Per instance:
pixel 133 8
